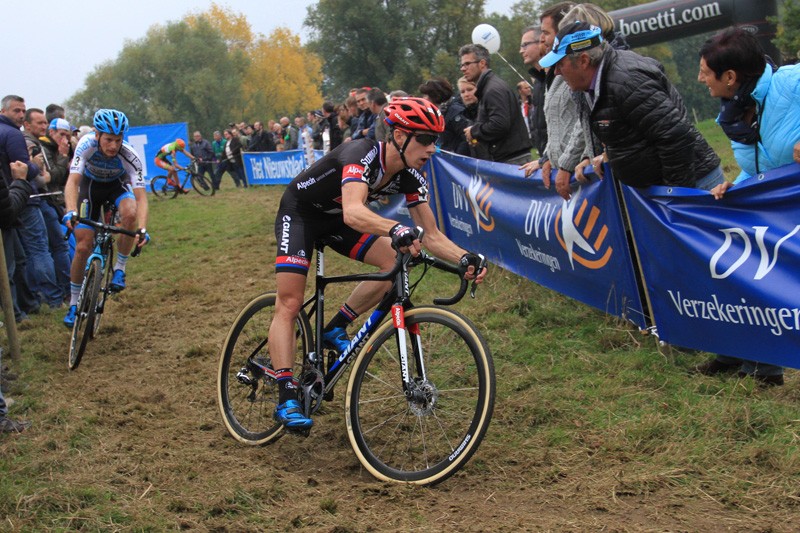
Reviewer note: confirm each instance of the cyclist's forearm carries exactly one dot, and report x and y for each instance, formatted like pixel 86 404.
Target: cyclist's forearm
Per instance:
pixel 142 208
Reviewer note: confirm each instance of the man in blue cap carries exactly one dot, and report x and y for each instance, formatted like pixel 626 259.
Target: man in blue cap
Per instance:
pixel 634 111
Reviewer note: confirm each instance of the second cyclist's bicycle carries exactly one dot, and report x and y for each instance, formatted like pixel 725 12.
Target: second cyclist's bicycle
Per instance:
pixel 96 286
pixel 162 187
pixel 420 393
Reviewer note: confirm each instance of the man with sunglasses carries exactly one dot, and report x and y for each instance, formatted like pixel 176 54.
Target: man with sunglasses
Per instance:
pixel 499 124
pixel 330 198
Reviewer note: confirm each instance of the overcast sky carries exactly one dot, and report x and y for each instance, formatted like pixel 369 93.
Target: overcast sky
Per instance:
pixel 50 46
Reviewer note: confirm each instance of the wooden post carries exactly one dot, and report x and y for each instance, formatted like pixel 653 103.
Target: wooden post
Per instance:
pixel 8 306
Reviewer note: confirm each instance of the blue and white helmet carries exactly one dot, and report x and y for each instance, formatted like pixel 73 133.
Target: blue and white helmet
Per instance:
pixel 110 121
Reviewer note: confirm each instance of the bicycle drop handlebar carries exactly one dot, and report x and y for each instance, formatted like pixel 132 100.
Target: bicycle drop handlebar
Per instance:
pixel 111 229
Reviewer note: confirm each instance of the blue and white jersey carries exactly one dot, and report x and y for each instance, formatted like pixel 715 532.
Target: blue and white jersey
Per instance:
pixel 125 167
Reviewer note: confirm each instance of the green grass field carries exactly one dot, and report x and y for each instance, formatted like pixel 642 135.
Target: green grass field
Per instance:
pixel 595 425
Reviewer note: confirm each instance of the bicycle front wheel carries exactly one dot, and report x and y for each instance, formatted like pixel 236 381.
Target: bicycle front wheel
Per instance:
pixel 202 185
pixel 162 188
pixel 84 319
pixel 103 291
pixel 425 434
pixel 246 395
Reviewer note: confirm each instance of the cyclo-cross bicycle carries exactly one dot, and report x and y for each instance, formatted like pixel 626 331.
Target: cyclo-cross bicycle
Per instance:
pixel 163 188
pixel 96 286
pixel 421 392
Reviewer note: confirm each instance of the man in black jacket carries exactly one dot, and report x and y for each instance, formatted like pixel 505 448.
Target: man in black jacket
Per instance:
pixel 635 112
pixel 14 193
pixel 260 141
pixel 499 124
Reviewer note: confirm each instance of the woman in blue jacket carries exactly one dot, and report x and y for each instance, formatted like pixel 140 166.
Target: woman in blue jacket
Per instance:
pixel 760 114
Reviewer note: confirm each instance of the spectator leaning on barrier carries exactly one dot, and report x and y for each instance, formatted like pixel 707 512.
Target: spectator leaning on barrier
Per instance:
pixel 760 114
pixel 634 111
pixel 499 124
pixel 565 139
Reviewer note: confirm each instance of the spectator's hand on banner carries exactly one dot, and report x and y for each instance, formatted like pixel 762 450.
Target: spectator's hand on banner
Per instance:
pixel 719 190
pixel 530 167
pixel 579 175
pixel 796 154
pixel 562 184
pixel 597 164
pixel 547 168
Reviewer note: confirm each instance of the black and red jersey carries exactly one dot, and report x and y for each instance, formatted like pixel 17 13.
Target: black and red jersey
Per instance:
pixel 319 187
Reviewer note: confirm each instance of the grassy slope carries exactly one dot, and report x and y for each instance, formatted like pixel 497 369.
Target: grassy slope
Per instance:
pixel 591 416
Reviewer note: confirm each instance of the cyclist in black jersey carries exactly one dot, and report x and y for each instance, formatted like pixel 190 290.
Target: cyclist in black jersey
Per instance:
pixel 329 198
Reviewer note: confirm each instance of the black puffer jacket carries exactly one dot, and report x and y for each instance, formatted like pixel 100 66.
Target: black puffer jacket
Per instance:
pixel 500 124
pixel 13 199
pixel 452 138
pixel 640 118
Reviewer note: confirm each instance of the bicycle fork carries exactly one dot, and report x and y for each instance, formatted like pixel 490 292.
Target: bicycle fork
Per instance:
pixel 418 391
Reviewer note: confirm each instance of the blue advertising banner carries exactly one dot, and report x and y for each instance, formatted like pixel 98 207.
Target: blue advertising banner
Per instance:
pixel 578 248
pixel 722 275
pixel 148 140
pixel 274 168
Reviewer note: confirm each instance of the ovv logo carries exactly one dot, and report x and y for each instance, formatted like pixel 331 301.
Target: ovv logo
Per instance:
pixel 580 235
pixel 478 195
pixel 766 263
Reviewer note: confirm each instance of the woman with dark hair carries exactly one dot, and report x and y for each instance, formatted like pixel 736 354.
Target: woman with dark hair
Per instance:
pixel 440 92
pixel 760 114
pixel 760 103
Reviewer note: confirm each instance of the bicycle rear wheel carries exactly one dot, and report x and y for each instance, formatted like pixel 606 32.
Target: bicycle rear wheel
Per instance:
pixel 202 185
pixel 162 188
pixel 426 437
pixel 246 395
pixel 84 319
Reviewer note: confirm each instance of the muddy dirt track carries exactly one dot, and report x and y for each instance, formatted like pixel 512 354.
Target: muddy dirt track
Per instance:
pixel 132 440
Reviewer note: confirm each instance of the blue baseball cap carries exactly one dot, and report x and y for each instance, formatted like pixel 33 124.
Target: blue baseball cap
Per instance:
pixel 59 124
pixel 573 39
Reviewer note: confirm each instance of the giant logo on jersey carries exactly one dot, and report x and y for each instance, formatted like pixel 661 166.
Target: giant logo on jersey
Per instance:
pixel 580 234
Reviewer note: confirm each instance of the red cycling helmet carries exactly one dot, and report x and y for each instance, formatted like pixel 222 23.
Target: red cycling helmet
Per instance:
pixel 181 143
pixel 414 114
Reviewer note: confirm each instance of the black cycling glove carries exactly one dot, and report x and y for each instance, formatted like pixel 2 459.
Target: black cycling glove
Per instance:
pixel 470 259
pixel 402 236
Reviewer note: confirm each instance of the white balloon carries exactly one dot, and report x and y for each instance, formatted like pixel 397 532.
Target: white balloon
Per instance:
pixel 488 36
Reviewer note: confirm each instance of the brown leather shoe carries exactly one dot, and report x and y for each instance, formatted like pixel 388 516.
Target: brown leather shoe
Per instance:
pixel 765 381
pixel 715 367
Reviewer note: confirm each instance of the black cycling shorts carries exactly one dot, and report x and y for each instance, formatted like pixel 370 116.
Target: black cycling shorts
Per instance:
pixel 93 194
pixel 296 233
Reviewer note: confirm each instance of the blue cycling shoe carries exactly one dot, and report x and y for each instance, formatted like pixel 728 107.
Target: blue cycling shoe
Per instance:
pixel 118 281
pixel 69 318
pixel 291 415
pixel 336 338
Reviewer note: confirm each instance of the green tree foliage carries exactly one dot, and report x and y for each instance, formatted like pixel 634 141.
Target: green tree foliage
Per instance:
pixel 179 72
pixel 788 38
pixel 392 44
pixel 282 77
